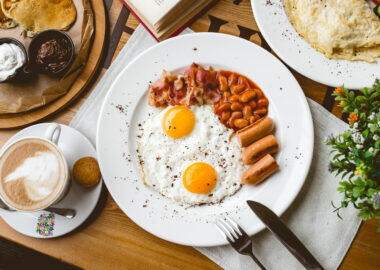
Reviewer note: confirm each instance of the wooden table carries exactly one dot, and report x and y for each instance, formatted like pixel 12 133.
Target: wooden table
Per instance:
pixel 111 240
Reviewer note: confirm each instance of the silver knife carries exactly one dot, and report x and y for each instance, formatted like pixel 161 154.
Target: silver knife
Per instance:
pixel 287 238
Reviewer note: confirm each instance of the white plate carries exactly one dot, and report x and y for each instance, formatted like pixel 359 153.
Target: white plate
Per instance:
pixel 74 145
pixel 126 105
pixel 279 33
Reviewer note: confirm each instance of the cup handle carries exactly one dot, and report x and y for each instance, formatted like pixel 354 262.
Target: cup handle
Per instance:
pixel 53 133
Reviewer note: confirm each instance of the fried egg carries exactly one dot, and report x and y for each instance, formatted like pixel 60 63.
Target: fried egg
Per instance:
pixel 188 156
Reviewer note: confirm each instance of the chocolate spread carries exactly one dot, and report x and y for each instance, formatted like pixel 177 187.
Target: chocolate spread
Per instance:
pixel 54 54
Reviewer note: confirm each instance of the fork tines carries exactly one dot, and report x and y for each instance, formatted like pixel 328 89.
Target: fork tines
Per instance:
pixel 229 228
pixel 237 237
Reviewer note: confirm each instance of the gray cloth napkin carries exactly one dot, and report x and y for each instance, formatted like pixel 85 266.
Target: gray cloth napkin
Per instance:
pixel 310 217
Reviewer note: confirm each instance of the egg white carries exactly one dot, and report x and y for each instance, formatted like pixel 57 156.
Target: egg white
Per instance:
pixel 164 159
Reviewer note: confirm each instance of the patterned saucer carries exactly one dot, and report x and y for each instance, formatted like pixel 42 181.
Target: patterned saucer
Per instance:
pixel 43 224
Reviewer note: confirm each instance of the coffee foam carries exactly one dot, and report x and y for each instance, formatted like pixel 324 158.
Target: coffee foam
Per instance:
pixel 39 174
pixel 32 174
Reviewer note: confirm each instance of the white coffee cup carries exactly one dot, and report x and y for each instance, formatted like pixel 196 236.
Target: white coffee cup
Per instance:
pixel 51 138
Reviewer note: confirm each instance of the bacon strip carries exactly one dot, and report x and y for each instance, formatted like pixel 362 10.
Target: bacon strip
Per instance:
pixel 195 86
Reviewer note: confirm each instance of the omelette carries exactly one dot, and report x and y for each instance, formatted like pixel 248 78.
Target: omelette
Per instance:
pixel 340 29
pixel 35 16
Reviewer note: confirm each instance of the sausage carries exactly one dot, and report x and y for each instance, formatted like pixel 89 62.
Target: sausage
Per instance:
pixel 260 171
pixel 254 152
pixel 255 131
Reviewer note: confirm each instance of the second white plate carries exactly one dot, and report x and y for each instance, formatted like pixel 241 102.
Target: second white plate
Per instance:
pixel 279 33
pixel 126 106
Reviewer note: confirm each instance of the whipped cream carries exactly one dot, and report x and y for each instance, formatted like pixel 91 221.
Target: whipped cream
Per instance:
pixel 11 59
pixel 40 175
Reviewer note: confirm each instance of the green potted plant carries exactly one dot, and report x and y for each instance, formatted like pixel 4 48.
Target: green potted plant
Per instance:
pixel 356 153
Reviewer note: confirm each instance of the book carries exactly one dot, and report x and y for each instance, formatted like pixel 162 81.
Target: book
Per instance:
pixel 166 18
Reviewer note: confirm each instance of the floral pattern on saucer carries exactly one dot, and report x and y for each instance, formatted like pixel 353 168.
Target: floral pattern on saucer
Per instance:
pixel 45 225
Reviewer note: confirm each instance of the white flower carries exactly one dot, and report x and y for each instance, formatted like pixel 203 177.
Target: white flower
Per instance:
pixel 370 125
pixel 358 138
pixel 355 125
pixel 372 116
pixel 373 151
pixel 375 137
pixel 359 146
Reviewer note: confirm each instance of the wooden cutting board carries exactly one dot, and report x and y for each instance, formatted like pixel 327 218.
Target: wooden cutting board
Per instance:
pixel 23 119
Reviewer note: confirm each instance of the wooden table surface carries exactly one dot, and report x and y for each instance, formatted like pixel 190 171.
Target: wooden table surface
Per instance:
pixel 110 240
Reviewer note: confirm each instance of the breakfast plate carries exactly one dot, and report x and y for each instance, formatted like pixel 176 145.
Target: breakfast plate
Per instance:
pixel 295 51
pixel 126 107
pixel 43 224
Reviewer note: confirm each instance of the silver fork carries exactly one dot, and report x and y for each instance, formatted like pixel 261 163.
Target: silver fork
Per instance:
pixel 237 238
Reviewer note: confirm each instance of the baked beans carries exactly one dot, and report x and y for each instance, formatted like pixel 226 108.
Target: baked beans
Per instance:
pixel 223 86
pixel 243 102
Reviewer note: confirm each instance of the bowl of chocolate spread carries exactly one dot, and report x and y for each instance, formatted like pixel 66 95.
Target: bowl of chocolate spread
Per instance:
pixel 51 52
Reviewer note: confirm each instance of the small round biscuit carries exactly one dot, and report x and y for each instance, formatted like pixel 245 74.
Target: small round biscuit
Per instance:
pixel 86 171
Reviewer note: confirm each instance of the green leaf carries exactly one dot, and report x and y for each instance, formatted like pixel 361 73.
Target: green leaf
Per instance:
pixel 345 174
pixel 364 91
pixel 359 182
pixel 374 95
pixel 367 154
pixel 361 99
pixel 346 135
pixel 371 192
pixel 356 159
pixel 336 156
pixel 356 153
pixel 365 133
pixel 371 183
pixel 341 189
pixel 357 191
pixel 365 215
pixel 377 144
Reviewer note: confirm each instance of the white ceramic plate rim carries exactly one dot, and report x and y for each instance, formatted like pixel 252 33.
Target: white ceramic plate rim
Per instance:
pixel 122 202
pixel 338 72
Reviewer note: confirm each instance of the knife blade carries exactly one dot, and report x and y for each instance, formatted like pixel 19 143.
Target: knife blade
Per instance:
pixel 286 236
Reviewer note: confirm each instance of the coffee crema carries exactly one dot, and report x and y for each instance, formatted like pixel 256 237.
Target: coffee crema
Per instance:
pixel 32 174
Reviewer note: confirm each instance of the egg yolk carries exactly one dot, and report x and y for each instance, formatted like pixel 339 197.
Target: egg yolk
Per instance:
pixel 199 178
pixel 178 122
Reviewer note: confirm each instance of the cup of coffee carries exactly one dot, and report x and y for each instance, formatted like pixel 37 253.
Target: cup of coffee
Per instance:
pixel 33 172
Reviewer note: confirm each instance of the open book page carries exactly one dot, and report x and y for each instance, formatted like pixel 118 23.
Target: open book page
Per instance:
pixel 175 13
pixel 154 10
pixel 196 7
